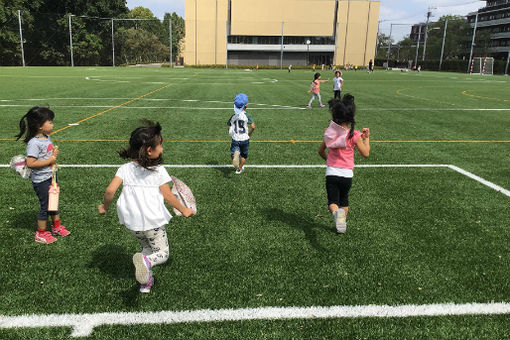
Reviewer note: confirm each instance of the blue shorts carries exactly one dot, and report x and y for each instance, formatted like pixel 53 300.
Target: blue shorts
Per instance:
pixel 241 146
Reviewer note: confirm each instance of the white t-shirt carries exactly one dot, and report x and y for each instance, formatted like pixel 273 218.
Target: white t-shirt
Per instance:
pixel 337 82
pixel 239 126
pixel 141 205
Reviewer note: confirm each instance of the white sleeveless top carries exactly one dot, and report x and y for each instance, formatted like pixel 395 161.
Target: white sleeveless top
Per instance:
pixel 141 205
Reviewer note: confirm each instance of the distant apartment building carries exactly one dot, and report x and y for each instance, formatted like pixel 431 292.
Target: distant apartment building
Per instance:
pixel 418 30
pixel 494 18
pixel 270 32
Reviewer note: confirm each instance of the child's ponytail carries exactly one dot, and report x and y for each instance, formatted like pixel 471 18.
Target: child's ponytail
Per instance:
pixel 348 101
pixel 35 117
pixel 22 127
pixel 141 139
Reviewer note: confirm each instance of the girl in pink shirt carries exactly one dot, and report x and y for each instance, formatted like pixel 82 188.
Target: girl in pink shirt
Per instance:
pixel 315 86
pixel 341 139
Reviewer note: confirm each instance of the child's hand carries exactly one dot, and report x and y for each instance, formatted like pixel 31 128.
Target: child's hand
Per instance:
pixel 365 133
pixel 55 151
pixel 52 159
pixel 101 209
pixel 187 212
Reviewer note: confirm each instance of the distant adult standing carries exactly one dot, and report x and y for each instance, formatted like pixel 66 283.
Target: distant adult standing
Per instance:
pixel 290 68
pixel 370 66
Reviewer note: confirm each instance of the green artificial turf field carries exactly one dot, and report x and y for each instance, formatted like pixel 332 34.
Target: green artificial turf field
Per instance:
pixel 419 232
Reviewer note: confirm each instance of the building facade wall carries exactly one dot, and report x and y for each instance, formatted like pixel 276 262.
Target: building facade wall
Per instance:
pixel 208 22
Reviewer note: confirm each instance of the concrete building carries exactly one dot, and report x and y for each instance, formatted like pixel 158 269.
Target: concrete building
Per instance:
pixel 495 18
pixel 249 32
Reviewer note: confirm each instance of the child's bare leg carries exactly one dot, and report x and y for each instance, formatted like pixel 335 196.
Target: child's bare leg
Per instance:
pixel 333 207
pixel 41 225
pixel 241 162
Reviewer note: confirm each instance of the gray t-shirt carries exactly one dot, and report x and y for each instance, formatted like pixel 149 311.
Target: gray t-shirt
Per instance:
pixel 41 148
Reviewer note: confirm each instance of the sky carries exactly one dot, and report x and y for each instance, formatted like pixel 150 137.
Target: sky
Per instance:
pixel 405 13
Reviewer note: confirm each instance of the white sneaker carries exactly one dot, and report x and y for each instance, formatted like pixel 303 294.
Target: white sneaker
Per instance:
pixel 235 160
pixel 143 271
pixel 240 171
pixel 341 225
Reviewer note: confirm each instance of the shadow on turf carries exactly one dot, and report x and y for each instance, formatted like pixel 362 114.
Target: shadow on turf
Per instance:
pixel 113 260
pixel 227 172
pixel 299 222
pixel 26 220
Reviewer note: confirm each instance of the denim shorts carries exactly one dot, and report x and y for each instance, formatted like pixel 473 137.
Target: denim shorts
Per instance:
pixel 241 146
pixel 41 189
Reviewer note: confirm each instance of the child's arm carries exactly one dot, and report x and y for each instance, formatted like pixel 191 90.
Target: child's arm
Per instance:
pixel 174 202
pixel 322 151
pixel 323 81
pixel 363 143
pixel 34 163
pixel 108 195
pixel 252 127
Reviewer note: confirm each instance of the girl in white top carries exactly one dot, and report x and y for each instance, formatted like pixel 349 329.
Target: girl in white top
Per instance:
pixel 141 206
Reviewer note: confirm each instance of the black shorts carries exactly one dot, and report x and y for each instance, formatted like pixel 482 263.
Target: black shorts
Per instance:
pixel 338 190
pixel 41 189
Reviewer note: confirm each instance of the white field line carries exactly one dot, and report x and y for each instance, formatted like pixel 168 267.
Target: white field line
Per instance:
pixel 220 102
pixel 83 324
pixel 268 106
pixel 286 166
pixel 165 107
pixel 481 180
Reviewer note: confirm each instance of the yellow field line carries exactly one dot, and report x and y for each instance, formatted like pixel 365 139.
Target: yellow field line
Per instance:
pixel 292 141
pixel 465 92
pixel 399 91
pixel 112 108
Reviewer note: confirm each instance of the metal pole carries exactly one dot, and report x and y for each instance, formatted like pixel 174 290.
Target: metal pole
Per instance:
pixel 389 49
pixel 226 46
pixel 442 46
pixel 71 41
pixel 417 48
pixel 281 50
pixel 113 47
pixel 426 36
pixel 21 39
pixel 472 42
pixel 507 62
pixel 170 34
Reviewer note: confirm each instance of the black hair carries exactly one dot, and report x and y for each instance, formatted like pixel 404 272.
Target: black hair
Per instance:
pixel 316 76
pixel 343 110
pixel 141 139
pixel 35 118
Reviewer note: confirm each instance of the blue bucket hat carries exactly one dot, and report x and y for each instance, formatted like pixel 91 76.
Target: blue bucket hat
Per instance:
pixel 240 101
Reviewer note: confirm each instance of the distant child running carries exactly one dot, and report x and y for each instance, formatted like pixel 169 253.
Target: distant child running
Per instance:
pixel 338 83
pixel 315 86
pixel 341 139
pixel 140 206
pixel 240 127
pixel 41 157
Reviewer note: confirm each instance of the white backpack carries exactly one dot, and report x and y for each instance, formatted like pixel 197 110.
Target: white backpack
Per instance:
pixel 19 166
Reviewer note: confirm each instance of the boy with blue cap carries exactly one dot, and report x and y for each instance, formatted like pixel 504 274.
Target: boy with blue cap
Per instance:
pixel 238 129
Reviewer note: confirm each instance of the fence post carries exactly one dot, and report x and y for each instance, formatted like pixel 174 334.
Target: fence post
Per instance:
pixel 473 41
pixel 21 39
pixel 71 41
pixel 507 62
pixel 113 47
pixel 281 50
pixel 170 33
pixel 442 46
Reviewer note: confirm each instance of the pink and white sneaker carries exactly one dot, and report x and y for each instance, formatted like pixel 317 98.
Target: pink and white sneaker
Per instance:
pixel 143 272
pixel 146 288
pixel 61 231
pixel 44 237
